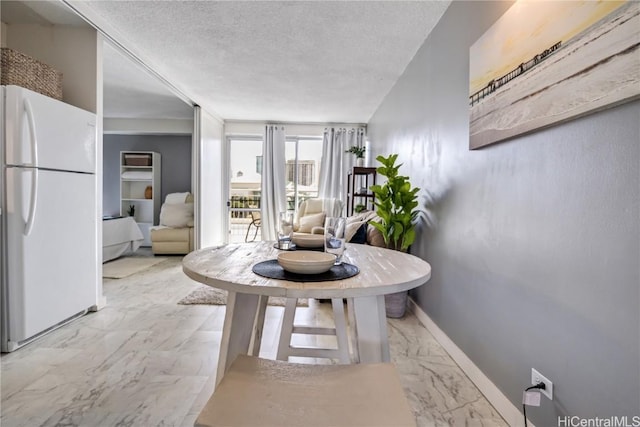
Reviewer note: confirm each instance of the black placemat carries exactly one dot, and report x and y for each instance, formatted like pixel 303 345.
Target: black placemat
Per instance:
pixel 273 270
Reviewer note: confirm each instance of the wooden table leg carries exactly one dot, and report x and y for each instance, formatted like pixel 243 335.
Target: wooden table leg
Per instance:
pixel 237 332
pixel 258 325
pixel 352 332
pixel 371 329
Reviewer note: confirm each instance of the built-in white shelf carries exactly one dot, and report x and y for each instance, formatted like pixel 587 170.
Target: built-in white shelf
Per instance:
pixel 140 174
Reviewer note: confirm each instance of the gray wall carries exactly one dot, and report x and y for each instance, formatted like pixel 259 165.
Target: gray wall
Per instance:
pixel 175 152
pixel 534 242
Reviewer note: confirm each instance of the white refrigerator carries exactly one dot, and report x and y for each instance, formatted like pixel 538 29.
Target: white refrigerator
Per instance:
pixel 49 215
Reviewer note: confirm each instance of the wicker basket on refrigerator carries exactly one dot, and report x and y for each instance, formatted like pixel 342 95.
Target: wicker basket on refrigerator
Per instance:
pixel 22 70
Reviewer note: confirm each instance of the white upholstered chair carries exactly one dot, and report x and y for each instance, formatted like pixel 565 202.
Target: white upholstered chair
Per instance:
pixel 312 212
pixel 174 235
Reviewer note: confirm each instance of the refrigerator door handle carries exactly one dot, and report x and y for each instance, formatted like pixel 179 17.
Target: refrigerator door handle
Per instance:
pixel 32 202
pixel 32 130
pixel 34 157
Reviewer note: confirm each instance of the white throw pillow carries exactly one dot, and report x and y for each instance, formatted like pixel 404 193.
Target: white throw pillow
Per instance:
pixel 308 222
pixel 177 198
pixel 176 215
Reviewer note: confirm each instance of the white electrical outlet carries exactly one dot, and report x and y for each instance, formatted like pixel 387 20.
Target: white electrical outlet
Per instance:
pixel 537 378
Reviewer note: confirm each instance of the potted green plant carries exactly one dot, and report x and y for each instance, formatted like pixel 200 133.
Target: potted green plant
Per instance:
pixel 359 153
pixel 396 202
pixel 359 208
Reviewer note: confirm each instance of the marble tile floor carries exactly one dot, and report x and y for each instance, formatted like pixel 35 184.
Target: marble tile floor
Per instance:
pixel 144 360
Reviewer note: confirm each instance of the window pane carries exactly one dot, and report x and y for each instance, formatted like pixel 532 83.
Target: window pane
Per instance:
pixel 309 159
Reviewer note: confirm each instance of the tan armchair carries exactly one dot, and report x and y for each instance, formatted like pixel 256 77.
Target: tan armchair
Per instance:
pixel 174 235
pixel 311 214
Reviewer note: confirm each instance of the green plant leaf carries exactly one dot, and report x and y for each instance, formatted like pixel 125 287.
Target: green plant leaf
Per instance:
pixel 409 238
pixel 381 228
pixel 396 203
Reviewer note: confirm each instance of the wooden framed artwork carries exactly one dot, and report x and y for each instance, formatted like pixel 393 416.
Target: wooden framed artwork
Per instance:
pixel 544 63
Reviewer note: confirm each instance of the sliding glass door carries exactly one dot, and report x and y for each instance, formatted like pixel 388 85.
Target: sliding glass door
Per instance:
pixel 303 158
pixel 245 181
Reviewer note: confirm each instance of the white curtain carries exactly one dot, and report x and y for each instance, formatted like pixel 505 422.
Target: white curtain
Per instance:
pixel 274 197
pixel 336 163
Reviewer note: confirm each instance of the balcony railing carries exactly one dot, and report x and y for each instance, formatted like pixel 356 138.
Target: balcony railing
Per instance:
pixel 241 206
pixel 240 215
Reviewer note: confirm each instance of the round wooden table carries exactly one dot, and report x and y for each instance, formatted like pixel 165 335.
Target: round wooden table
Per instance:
pixel 229 267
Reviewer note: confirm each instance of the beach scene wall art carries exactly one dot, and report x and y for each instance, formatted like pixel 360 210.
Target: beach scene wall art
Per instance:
pixel 547 62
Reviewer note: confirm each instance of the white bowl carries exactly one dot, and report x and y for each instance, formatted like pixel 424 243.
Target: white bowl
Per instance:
pixel 309 240
pixel 306 262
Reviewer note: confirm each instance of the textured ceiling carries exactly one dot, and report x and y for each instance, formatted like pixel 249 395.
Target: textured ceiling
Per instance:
pixel 314 61
pixel 130 92
pixel 290 61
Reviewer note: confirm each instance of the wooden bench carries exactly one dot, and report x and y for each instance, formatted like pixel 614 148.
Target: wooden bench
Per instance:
pixel 260 392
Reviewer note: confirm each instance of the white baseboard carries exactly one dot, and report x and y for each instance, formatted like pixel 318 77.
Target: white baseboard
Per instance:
pixel 505 408
pixel 102 303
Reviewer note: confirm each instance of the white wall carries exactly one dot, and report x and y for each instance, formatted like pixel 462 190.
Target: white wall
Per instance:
pixel 71 50
pixel 209 184
pixel 3 34
pixel 148 126
pixel 534 242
